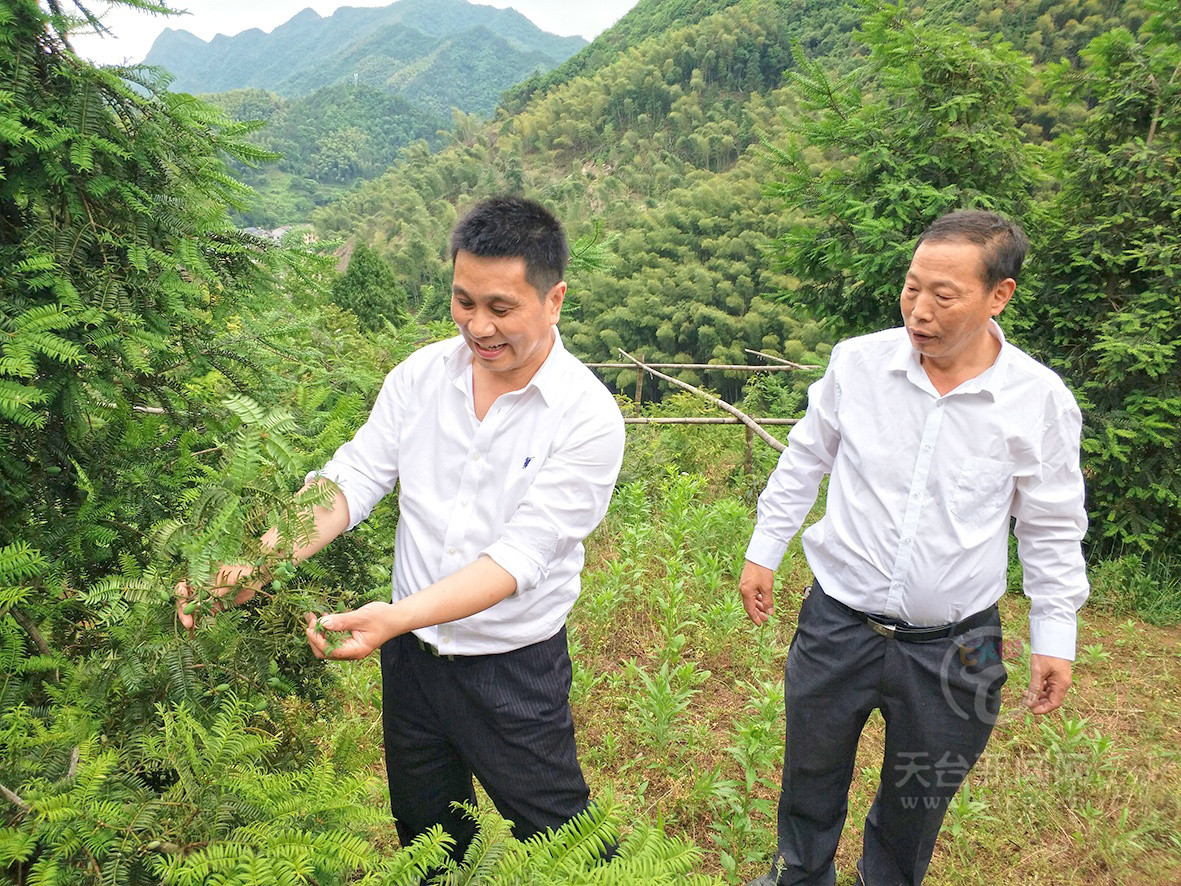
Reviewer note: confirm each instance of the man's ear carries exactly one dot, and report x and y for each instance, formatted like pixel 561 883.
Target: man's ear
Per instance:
pixel 1001 294
pixel 554 299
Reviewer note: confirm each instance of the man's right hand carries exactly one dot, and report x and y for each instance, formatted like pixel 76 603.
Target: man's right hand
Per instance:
pixel 757 585
pixel 235 577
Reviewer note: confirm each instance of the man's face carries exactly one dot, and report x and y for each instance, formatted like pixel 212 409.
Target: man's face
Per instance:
pixel 946 305
pixel 507 327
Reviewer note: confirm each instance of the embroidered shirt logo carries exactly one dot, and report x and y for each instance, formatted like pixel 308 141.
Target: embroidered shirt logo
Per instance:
pixel 526 464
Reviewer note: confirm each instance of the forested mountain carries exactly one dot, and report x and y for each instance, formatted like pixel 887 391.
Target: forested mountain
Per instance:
pixel 655 133
pixel 734 208
pixel 440 53
pixel 327 141
pixel 165 379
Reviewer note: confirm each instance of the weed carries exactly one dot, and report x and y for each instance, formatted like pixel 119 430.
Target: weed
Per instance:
pixel 1093 654
pixel 662 699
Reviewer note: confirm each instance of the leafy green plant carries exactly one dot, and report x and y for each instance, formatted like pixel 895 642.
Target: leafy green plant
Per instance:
pixel 1079 761
pixel 924 127
pixel 663 698
pixel 744 818
pixel 1106 313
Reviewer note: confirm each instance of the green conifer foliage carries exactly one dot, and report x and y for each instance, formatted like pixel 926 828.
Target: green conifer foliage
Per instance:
pixel 370 289
pixel 926 126
pixel 1108 312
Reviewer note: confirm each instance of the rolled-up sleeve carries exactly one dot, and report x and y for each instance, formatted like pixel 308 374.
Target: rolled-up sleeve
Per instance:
pixel 1051 520
pixel 366 468
pixel 566 499
pixel 792 488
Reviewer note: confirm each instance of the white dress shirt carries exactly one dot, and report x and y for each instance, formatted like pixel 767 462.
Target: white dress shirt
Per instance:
pixel 524 486
pixel 922 487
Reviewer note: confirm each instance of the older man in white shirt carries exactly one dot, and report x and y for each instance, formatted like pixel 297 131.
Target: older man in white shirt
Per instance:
pixel 935 435
pixel 506 449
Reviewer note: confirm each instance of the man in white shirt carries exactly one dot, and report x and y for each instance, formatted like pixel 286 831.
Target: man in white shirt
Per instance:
pixel 506 449
pixel 935 436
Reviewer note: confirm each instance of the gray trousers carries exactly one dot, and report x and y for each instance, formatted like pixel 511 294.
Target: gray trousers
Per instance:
pixel 939 699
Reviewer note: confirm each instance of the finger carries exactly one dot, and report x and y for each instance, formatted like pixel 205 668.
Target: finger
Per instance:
pixel 315 638
pixel 183 597
pixel 753 611
pixel 1053 696
pixel 342 621
pixel 351 649
pixel 1037 684
pixel 756 611
pixel 1047 702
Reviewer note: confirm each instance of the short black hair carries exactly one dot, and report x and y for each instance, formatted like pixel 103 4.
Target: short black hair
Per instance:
pixel 511 227
pixel 1004 243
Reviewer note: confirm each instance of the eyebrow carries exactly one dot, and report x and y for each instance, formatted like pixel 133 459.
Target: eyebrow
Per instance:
pixel 939 282
pixel 495 297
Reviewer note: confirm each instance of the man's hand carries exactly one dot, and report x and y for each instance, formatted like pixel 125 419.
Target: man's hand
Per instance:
pixel 1049 678
pixel 756 585
pixel 236 578
pixel 350 635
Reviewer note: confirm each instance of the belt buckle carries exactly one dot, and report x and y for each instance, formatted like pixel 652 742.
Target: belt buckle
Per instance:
pixel 882 630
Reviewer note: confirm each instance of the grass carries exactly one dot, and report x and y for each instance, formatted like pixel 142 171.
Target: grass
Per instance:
pixel 680 715
pixel 678 706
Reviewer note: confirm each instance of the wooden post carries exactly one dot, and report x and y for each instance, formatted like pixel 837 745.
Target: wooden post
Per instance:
pixel 749 464
pixel 639 382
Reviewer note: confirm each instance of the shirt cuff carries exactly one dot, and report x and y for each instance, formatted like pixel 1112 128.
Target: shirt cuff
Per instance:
pixel 1056 638
pixel 766 550
pixel 526 572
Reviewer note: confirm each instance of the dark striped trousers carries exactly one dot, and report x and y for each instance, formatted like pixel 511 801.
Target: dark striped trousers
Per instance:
pixel 939 699
pixel 503 718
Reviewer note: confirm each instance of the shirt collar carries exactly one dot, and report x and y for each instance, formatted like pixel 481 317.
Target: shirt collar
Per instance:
pixel 547 379
pixel 906 360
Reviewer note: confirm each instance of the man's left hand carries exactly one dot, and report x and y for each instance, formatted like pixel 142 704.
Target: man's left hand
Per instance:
pixel 349 635
pixel 1049 678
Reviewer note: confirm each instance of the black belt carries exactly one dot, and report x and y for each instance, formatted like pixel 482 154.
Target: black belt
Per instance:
pixel 432 649
pixel 913 633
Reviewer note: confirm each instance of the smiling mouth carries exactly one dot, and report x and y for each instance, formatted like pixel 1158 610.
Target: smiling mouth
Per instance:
pixel 490 350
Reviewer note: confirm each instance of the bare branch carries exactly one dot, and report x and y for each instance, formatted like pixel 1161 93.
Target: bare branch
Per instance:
pixel 14 799
pixel 781 360
pixel 724 367
pixel 703 420
pixel 31 629
pixel 716 401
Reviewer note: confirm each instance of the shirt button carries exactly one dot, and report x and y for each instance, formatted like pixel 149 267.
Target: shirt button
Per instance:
pixel 451 551
pixel 445 640
pixel 475 456
pixel 927 447
pixel 906 540
pixel 463 501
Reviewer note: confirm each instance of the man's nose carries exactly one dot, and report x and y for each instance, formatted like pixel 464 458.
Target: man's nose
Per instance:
pixel 922 307
pixel 481 323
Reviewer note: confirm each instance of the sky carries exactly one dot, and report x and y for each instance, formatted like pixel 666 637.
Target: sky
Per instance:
pixel 134 31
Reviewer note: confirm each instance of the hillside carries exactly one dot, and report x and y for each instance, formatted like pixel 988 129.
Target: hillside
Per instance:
pixel 656 135
pixel 167 378
pixel 411 47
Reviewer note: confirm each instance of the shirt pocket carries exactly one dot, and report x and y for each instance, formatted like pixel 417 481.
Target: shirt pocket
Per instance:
pixel 982 487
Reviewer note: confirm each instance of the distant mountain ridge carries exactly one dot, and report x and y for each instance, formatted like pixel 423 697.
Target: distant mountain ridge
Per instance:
pixel 438 53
